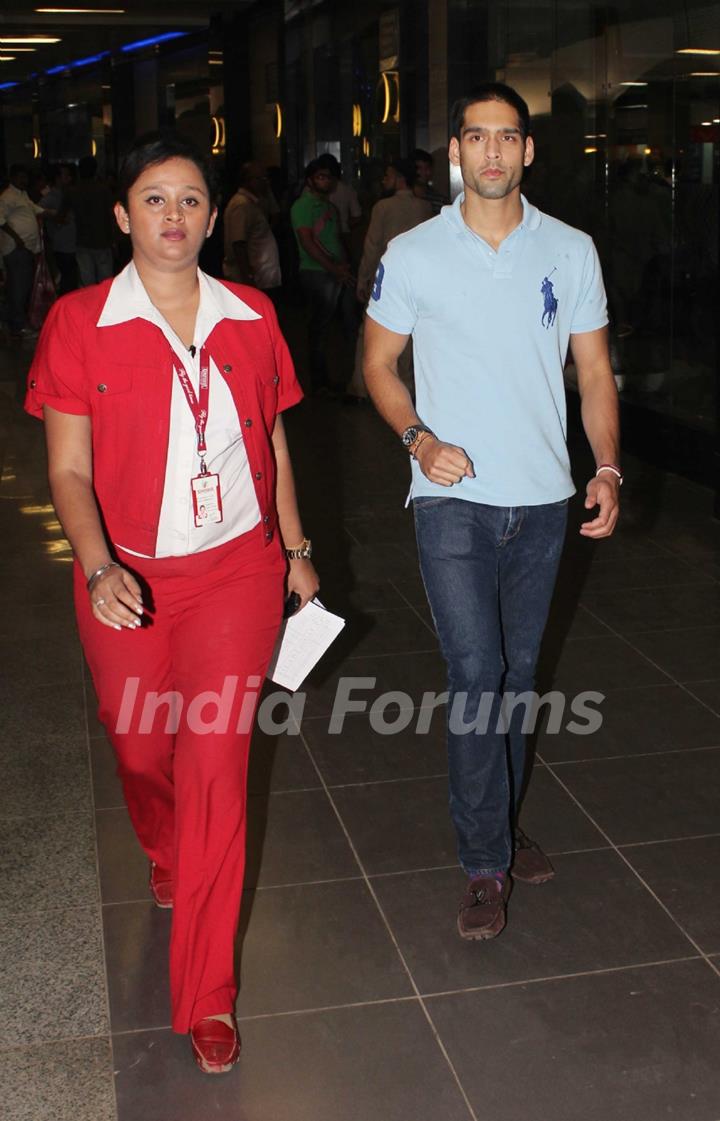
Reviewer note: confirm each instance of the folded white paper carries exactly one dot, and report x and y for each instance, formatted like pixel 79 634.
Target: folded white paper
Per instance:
pixel 303 640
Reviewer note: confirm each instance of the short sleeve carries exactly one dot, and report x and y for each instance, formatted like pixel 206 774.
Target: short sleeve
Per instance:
pixel 289 391
pixel 591 308
pixel 392 302
pixel 57 376
pixel 301 213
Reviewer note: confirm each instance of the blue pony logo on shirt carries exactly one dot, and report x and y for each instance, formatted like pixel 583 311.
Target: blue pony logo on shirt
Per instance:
pixel 551 304
pixel 377 286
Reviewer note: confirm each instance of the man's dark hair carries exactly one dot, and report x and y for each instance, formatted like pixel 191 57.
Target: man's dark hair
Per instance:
pixel 328 163
pixel 155 148
pixel 490 91
pixel 419 155
pixel 404 167
pixel 315 165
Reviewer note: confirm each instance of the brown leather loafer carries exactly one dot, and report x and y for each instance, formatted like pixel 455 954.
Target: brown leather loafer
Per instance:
pixel 482 908
pixel 216 1047
pixel 530 864
pixel 161 886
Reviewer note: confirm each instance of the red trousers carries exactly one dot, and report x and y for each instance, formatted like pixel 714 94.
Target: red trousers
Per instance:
pixel 209 634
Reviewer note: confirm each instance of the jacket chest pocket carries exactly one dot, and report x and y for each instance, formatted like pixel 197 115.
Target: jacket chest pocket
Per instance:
pixel 110 383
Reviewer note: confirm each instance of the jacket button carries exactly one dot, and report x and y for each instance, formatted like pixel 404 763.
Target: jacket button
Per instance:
pixel 248 423
pixel 102 388
pixel 276 379
pixel 33 383
pixel 227 369
pixel 268 536
pixel 266 519
pixel 258 474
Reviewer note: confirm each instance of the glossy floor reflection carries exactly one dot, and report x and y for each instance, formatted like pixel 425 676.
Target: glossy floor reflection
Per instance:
pixel 358 1001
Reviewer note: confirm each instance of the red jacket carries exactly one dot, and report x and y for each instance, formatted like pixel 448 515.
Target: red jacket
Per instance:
pixel 121 377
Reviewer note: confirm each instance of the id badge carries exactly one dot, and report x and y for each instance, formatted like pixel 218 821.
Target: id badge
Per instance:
pixel 207 501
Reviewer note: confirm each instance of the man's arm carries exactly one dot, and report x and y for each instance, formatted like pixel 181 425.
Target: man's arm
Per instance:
pixel 313 247
pixel 441 463
pixel 373 250
pixel 600 417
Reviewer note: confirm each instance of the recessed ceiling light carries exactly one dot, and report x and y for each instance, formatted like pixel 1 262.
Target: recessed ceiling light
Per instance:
pixel 632 83
pixel 704 73
pixel 7 57
pixel 706 124
pixel 28 39
pixel 697 50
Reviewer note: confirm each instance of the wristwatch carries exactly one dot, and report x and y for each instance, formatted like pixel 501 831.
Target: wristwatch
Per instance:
pixel 303 551
pixel 410 435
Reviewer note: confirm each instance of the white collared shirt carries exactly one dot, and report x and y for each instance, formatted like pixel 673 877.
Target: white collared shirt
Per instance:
pixel 226 455
pixel 19 211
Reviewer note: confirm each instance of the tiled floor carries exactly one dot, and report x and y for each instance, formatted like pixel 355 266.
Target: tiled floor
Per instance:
pixel 358 1002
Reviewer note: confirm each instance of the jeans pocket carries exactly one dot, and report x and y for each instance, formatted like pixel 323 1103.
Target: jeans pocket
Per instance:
pixel 426 502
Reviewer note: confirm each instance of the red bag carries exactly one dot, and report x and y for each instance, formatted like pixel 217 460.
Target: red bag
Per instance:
pixel 43 292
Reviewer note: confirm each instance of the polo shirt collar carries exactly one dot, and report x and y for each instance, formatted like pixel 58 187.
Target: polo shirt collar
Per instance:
pixel 531 218
pixel 128 299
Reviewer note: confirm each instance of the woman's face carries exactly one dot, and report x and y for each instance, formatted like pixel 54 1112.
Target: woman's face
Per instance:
pixel 168 215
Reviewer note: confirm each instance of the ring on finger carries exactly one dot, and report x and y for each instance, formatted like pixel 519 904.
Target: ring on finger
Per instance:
pixel 99 602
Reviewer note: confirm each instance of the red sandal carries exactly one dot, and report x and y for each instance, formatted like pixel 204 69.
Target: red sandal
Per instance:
pixel 216 1046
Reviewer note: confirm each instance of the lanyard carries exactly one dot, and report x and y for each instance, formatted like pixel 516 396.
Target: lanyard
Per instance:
pixel 198 404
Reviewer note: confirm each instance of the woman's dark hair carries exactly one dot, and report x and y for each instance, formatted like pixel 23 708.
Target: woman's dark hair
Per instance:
pixel 157 147
pixel 490 91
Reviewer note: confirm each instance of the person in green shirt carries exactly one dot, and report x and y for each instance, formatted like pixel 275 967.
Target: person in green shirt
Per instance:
pixel 324 270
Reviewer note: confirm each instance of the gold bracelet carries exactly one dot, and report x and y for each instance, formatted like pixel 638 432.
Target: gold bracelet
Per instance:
pixel 303 551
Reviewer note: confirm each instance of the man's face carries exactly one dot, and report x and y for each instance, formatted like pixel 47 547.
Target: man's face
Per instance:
pixel 491 152
pixel 20 180
pixel 389 179
pixel 321 182
pixel 423 172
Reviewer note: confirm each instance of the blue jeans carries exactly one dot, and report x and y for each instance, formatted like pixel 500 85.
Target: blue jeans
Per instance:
pixel 489 574
pixel 322 293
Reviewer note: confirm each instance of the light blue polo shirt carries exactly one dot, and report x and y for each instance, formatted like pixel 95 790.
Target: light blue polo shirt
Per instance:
pixel 490 337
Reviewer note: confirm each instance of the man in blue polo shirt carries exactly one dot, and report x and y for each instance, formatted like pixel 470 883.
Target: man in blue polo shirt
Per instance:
pixel 493 292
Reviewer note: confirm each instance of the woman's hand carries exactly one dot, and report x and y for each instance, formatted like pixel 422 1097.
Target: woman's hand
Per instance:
pixel 116 599
pixel 303 579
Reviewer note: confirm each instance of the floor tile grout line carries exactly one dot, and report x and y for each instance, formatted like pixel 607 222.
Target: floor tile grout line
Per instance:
pixel 633 755
pixel 677 556
pixel 413 608
pixel 634 871
pixel 9 916
pixel 393 939
pixel 679 684
pixel 99 880
pixel 434 994
pixel 393 654
pixel 565 976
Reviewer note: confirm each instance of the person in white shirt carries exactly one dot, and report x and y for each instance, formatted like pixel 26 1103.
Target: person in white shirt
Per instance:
pixel 251 251
pixel 19 244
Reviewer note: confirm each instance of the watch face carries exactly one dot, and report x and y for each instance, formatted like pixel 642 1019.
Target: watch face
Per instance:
pixel 409 436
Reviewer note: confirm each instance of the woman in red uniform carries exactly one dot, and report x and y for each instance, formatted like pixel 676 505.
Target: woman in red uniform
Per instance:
pixel 161 392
